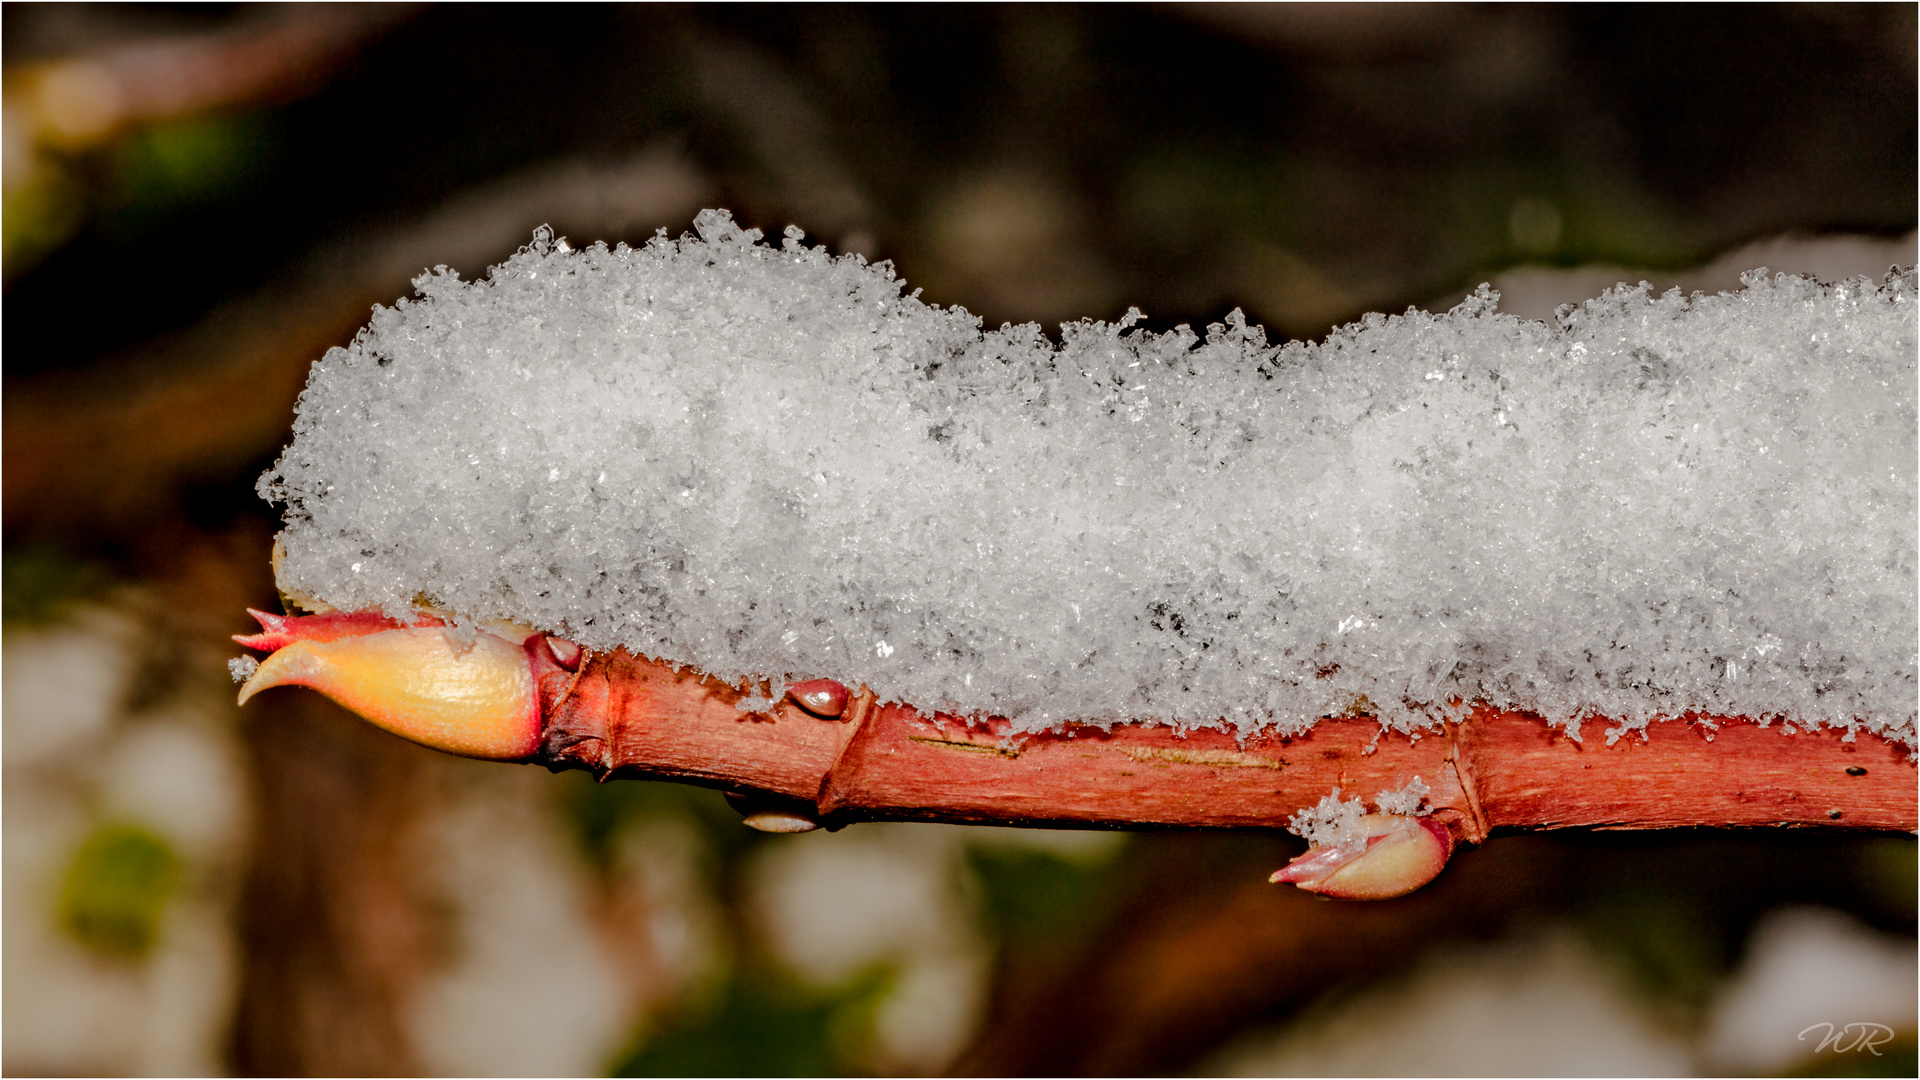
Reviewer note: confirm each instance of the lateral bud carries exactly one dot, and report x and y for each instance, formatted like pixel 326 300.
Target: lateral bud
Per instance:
pixel 824 698
pixel 1393 855
pixel 773 814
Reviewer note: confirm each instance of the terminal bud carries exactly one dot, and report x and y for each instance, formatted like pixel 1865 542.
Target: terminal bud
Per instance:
pixel 475 698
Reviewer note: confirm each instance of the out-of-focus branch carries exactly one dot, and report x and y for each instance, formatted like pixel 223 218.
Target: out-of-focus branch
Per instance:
pixel 113 445
pixel 1193 948
pixel 1198 945
pixel 283 52
pixel 61 111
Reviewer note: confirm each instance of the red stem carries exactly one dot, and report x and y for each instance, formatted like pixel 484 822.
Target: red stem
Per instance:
pixel 623 716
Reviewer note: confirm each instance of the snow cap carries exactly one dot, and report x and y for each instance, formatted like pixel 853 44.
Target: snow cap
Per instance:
pixel 770 463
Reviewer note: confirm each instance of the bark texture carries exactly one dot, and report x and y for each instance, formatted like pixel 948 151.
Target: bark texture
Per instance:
pixel 622 715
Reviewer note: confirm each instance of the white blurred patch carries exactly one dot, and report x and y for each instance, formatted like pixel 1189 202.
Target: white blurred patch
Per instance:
pixel 931 1010
pixel 530 990
pixel 66 1012
pixel 74 762
pixel 64 685
pixel 659 862
pixel 190 982
pixel 1533 292
pixel 69 1012
pixel 1808 966
pixel 1540 1005
pixel 834 904
pixel 178 778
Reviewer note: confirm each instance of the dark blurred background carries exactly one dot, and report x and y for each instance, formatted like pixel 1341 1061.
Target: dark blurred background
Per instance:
pixel 201 199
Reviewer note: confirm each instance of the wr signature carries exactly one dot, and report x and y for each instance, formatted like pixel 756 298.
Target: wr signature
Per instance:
pixel 1858 1035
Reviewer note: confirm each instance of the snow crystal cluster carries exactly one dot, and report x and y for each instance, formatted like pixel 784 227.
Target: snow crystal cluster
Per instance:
pixel 1330 822
pixel 1407 799
pixel 770 463
pixel 242 668
pixel 1334 821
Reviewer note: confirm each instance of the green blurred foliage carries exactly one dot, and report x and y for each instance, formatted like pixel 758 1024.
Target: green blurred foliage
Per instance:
pixel 135 186
pixel 1888 869
pixel 764 1025
pixel 748 1020
pixel 117 889
pixel 40 582
pixel 757 1020
pixel 164 168
pixel 601 812
pixel 1179 199
pixel 1674 909
pixel 1675 956
pixel 1038 901
pixel 39 216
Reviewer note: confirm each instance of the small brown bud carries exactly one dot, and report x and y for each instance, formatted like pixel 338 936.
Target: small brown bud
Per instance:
pixel 821 697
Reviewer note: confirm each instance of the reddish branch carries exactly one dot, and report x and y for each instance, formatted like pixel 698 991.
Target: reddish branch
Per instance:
pixel 622 716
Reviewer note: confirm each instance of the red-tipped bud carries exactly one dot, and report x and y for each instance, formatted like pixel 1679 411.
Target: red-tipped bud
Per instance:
pixel 475 699
pixel 1394 856
pixel 279 631
pixel 821 697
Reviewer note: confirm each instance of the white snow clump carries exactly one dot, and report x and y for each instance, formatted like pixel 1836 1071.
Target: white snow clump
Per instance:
pixel 771 464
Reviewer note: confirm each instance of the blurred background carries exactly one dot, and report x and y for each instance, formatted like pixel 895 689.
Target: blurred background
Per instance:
pixel 201 199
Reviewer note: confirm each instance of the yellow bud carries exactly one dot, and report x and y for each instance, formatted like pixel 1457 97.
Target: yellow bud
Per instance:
pixel 473 699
